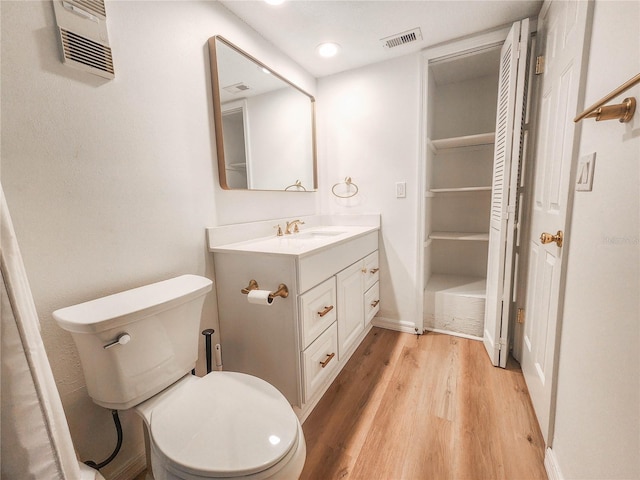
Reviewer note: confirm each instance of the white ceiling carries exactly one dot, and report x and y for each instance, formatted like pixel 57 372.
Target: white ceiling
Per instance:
pixel 297 26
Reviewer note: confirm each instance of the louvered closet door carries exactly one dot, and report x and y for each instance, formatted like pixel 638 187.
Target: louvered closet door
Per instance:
pixel 506 169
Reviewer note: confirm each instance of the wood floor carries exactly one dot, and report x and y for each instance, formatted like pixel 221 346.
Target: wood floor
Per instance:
pixel 424 407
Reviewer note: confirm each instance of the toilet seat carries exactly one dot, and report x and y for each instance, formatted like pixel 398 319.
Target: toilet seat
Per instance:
pixel 223 425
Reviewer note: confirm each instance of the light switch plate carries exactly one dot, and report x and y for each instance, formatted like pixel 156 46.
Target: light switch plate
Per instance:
pixel 401 189
pixel 584 175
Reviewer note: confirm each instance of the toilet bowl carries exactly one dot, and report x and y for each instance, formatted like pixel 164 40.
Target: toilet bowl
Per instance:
pixel 137 349
pixel 223 425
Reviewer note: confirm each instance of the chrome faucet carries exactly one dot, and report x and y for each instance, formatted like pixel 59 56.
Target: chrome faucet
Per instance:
pixel 293 224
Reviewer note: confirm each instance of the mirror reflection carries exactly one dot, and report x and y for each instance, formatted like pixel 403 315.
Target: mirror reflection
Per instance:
pixel 265 127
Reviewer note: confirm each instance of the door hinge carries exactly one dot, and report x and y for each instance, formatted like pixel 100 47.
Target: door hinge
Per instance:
pixel 520 316
pixel 539 65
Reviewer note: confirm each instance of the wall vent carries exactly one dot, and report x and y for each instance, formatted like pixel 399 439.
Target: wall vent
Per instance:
pixel 83 36
pixel 402 38
pixel 82 51
pixel 93 6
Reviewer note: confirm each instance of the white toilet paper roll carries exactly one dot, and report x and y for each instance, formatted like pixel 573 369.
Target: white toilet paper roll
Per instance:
pixel 260 297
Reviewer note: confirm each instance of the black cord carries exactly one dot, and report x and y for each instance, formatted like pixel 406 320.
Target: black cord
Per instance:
pixel 98 466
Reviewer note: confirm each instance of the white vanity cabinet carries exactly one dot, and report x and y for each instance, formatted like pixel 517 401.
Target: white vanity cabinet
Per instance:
pixel 299 343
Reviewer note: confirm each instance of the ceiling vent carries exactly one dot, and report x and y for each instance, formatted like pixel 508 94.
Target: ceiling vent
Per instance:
pixel 236 88
pixel 402 38
pixel 82 28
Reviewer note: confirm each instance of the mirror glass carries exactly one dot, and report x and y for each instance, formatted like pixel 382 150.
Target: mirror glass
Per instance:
pixel 265 125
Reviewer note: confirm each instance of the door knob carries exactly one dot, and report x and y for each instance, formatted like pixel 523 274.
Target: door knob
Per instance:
pixel 548 238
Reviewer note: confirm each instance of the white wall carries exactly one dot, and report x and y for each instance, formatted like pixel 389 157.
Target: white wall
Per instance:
pixel 368 124
pixel 597 429
pixel 111 184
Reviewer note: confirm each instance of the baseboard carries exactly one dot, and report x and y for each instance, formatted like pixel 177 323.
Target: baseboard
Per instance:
pixel 131 469
pixel 551 465
pixel 397 325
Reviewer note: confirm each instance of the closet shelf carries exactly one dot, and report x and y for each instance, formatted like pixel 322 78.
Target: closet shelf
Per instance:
pixel 465 236
pixel 459 285
pixel 465 141
pixel 459 189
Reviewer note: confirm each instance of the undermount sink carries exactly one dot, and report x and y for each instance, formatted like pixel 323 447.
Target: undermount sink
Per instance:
pixel 315 234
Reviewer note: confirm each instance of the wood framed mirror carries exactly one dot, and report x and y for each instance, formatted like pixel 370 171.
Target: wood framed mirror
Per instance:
pixel 264 124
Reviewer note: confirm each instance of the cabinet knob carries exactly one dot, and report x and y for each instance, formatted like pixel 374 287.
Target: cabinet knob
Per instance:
pixel 328 359
pixel 375 303
pixel 325 310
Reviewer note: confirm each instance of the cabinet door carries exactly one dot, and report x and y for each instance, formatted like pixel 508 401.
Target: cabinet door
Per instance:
pixel 350 305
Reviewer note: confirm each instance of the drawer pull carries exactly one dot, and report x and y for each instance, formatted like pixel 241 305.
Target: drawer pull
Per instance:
pixel 325 310
pixel 374 270
pixel 375 303
pixel 328 359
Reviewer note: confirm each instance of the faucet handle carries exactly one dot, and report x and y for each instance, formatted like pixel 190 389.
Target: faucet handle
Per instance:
pixel 279 233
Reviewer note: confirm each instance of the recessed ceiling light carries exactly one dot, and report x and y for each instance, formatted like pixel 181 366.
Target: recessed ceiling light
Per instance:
pixel 328 49
pixel 274 2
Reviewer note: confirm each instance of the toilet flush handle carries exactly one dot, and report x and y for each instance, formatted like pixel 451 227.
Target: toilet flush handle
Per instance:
pixel 122 339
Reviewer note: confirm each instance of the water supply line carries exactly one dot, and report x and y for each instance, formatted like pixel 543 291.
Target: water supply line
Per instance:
pixel 98 466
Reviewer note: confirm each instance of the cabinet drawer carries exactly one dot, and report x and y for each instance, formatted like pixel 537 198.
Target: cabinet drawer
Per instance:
pixel 372 302
pixel 316 267
pixel 317 310
pixel 372 267
pixel 319 361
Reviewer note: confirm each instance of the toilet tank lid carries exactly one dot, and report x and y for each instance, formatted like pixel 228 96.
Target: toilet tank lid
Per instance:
pixel 131 305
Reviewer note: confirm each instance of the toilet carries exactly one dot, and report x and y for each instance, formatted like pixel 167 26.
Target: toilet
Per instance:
pixel 137 349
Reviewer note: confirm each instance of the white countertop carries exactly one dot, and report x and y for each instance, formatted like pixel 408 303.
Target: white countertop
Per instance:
pixel 307 241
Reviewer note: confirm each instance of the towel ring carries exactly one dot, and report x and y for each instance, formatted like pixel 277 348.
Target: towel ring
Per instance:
pixel 349 184
pixel 298 185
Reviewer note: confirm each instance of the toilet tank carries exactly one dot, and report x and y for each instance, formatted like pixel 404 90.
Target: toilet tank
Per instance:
pixel 158 327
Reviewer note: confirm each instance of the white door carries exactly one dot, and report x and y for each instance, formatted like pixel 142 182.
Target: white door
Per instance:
pixel 561 30
pixel 506 168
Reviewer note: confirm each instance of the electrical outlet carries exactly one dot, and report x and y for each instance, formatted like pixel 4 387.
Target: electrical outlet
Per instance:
pixel 401 189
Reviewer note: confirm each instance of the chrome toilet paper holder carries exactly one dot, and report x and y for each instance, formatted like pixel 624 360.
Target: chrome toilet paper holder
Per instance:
pixel 282 290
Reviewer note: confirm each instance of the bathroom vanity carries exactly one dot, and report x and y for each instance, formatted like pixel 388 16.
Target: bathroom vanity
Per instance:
pixel 301 341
